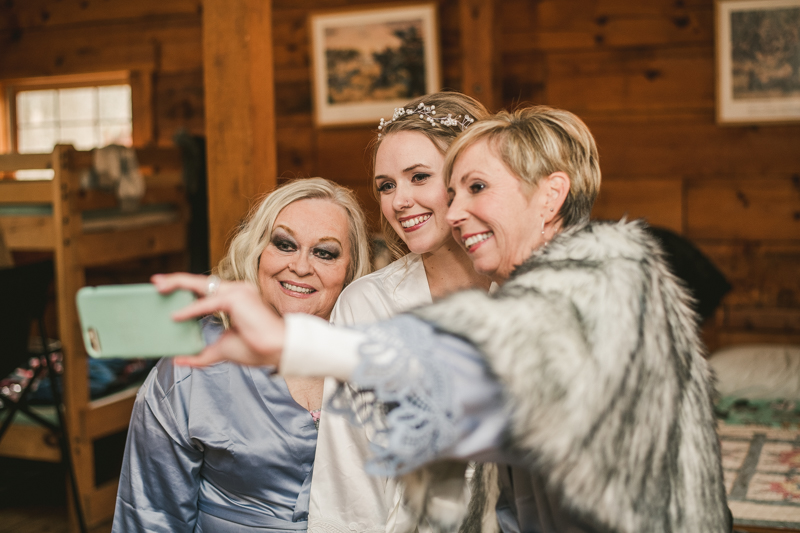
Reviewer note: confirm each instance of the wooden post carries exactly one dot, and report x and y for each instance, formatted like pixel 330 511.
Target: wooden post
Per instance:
pixel 479 55
pixel 69 278
pixel 240 112
pixel 5 122
pixel 142 106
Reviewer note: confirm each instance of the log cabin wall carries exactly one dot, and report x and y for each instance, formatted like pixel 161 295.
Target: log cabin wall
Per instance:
pixel 641 74
pixel 157 39
pixel 340 154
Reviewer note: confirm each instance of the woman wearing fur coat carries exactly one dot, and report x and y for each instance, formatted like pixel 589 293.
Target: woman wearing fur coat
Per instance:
pixel 582 377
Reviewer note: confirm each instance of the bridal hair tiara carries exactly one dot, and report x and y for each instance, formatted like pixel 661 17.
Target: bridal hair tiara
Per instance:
pixel 428 114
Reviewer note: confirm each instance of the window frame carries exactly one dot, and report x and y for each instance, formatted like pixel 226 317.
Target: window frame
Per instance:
pixel 140 82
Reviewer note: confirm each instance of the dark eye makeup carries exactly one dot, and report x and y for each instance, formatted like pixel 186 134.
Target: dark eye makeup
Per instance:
pixel 327 252
pixel 284 243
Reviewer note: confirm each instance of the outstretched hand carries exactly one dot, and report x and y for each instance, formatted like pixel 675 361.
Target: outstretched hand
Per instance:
pixel 256 334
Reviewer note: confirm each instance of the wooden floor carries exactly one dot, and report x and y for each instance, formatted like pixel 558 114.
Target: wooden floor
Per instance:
pixel 41 519
pixel 33 498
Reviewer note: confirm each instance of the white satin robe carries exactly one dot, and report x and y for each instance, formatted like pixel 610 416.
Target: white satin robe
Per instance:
pixel 344 498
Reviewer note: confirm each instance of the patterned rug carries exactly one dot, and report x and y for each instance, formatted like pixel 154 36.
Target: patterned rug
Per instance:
pixel 762 474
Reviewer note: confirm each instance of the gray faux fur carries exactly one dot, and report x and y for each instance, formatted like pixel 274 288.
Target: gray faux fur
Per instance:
pixel 598 349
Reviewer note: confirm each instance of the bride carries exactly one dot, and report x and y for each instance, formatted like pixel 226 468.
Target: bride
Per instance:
pixel 409 186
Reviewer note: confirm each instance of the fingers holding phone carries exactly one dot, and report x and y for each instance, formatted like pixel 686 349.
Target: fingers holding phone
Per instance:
pixel 229 347
pixel 256 333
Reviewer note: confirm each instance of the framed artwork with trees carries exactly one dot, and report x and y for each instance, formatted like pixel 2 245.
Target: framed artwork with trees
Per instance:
pixel 365 62
pixel 758 61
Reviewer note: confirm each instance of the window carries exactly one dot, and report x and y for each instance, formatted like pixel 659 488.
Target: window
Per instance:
pixel 86 117
pixel 85 110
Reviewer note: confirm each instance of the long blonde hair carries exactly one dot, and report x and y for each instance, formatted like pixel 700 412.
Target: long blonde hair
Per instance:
pixel 446 102
pixel 255 233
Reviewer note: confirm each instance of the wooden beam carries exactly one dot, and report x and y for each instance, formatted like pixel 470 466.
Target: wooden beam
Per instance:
pixel 105 248
pixel 143 119
pixel 24 192
pixel 109 414
pixel 99 503
pixel 5 121
pixel 70 277
pixel 28 232
pixel 11 162
pixel 32 442
pixel 479 54
pixel 240 121
pixel 159 45
pixel 49 14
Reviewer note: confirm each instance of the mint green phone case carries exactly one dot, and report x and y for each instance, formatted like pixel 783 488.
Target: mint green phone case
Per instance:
pixel 132 321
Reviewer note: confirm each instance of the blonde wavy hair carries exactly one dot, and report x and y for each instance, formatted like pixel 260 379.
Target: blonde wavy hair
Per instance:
pixel 255 233
pixel 446 102
pixel 533 143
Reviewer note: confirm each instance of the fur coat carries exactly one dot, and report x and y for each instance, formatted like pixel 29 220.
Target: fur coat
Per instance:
pixel 610 396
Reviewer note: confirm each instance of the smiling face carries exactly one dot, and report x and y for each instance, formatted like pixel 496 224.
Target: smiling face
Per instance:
pixel 304 266
pixel 413 198
pixel 494 214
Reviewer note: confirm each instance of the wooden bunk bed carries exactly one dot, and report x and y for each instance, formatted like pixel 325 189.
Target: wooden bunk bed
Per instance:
pixel 83 229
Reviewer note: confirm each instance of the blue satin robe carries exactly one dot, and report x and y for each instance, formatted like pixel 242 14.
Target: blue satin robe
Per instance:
pixel 223 449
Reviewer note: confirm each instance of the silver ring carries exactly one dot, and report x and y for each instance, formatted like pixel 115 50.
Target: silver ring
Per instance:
pixel 213 285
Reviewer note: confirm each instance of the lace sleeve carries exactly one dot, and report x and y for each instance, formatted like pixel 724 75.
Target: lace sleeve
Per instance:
pixel 408 391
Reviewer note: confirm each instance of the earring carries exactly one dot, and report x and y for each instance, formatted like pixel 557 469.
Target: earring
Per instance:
pixel 543 237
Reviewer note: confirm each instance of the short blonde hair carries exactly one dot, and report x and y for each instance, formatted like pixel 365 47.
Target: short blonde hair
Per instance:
pixel 446 102
pixel 255 233
pixel 535 142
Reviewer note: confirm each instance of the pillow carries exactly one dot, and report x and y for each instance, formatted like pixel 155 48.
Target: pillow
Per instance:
pixel 758 371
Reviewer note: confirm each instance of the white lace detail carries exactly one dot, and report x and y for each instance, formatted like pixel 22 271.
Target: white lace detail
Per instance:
pixel 404 396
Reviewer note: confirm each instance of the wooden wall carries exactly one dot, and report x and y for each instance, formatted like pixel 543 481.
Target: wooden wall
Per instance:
pixel 160 39
pixel 340 154
pixel 641 74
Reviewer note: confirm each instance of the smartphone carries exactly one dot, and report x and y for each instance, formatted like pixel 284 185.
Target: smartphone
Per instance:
pixel 135 321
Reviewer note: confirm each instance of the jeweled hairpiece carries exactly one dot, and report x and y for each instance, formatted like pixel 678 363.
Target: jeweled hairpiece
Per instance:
pixel 428 114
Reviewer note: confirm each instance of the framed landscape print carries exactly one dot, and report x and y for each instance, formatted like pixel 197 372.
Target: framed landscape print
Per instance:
pixel 366 62
pixel 758 61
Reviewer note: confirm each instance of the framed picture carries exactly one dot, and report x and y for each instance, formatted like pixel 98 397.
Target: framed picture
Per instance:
pixel 366 62
pixel 758 61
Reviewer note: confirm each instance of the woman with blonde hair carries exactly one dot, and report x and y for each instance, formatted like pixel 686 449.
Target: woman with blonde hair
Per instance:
pixel 231 448
pixel 582 376
pixel 408 183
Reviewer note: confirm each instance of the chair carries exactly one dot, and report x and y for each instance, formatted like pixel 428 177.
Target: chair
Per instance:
pixel 25 294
